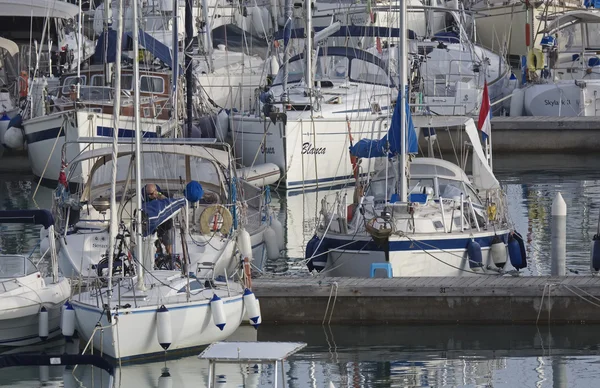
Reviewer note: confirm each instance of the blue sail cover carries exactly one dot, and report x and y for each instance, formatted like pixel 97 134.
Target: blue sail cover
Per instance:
pixel 156 47
pixel 37 217
pixel 107 44
pixel 391 143
pixel 159 211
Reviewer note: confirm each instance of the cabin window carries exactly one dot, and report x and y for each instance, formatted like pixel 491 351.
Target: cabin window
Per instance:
pixel 194 286
pixel 430 169
pixel 72 80
pixel 450 189
pixel 331 67
pixel 127 82
pixel 363 71
pixel 295 72
pixel 150 84
pixel 97 80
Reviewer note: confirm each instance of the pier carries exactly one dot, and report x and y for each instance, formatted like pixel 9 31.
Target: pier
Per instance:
pixel 545 134
pixel 528 134
pixel 484 299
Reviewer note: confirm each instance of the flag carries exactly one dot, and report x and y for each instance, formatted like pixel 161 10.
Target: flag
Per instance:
pixel 485 114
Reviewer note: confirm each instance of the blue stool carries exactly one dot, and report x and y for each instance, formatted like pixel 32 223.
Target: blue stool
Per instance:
pixel 384 266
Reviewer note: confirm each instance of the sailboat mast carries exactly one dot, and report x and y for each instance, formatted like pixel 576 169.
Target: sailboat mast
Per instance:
pixel 309 48
pixel 208 36
pixel 175 66
pixel 107 27
pixel 403 61
pixel 138 145
pixel 113 227
pixel 286 53
pixel 79 56
pixel 189 32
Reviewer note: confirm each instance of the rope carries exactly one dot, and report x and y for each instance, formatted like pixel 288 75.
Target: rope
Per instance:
pixel 47 162
pixel 541 304
pixel 333 285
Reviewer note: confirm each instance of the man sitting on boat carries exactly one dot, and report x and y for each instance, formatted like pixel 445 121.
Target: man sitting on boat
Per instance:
pixel 164 230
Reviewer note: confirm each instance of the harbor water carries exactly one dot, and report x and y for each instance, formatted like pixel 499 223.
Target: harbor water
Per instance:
pixel 380 356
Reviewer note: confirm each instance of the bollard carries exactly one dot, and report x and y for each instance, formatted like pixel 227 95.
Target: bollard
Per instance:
pixel 559 236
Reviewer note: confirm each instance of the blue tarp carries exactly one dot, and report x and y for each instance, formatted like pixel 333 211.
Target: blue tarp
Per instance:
pixel 157 48
pixel 390 143
pixel 37 217
pixel 107 43
pixel 159 211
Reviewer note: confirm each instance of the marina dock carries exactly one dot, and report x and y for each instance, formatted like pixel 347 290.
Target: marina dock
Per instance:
pixel 545 134
pixel 434 300
pixel 531 134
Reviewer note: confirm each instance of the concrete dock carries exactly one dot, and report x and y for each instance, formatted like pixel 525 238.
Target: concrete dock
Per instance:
pixel 435 300
pixel 545 134
pixel 532 134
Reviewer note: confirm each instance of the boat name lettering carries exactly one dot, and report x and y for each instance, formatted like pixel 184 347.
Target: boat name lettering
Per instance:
pixel 103 246
pixel 267 150
pixel 557 102
pixel 309 149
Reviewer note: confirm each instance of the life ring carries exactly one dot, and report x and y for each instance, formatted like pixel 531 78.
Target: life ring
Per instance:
pixel 208 220
pixel 535 59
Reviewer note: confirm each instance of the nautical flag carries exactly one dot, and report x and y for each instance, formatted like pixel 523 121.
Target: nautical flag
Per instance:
pixel 485 114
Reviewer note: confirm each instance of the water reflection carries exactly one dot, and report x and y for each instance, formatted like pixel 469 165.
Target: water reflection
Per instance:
pixel 376 356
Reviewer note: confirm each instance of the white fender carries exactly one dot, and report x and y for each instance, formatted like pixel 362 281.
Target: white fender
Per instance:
pixel 4 121
pixel 165 380
pixel 44 374
pixel 252 308
pixel 222 125
pixel 163 327
pixel 517 101
pixel 244 243
pixel 270 239
pixel 43 324
pixel 218 312
pixel 68 320
pixel 499 254
pixel 278 228
pixel 273 66
pixel 13 138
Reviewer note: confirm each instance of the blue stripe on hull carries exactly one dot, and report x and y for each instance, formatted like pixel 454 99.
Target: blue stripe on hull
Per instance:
pixel 414 245
pixel 108 131
pixel 53 133
pixel 46 134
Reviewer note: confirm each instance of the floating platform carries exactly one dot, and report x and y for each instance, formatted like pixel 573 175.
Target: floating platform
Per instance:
pixel 545 134
pixel 481 299
pixel 530 134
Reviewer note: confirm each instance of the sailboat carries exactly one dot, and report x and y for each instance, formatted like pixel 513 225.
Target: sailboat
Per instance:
pixel 30 303
pixel 418 216
pixel 153 311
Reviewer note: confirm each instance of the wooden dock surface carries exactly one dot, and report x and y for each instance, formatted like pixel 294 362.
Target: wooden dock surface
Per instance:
pixel 469 299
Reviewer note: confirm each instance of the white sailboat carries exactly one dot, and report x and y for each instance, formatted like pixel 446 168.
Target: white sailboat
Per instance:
pixel 30 303
pixel 565 74
pixel 419 217
pixel 154 310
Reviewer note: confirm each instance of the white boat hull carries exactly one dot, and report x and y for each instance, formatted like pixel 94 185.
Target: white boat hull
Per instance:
pixel 134 331
pixel 418 256
pixel 46 135
pixel 19 313
pixel 310 154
